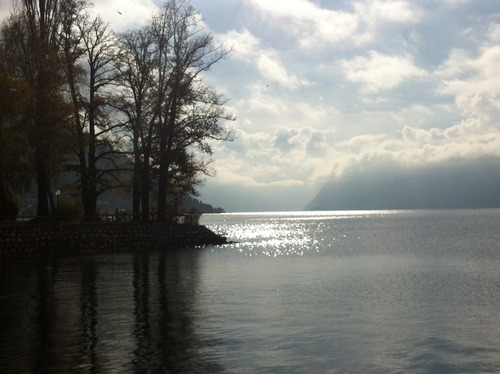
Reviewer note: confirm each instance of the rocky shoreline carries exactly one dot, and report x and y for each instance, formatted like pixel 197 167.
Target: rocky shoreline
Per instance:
pixel 18 241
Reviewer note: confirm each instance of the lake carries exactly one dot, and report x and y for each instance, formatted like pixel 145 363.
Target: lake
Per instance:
pixel 300 292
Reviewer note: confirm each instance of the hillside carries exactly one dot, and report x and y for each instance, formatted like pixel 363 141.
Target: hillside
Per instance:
pixel 438 187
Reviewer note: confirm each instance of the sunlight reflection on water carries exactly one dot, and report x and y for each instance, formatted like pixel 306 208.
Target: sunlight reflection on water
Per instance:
pixel 285 234
pixel 270 239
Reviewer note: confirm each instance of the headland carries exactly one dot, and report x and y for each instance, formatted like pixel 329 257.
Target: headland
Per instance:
pixel 18 240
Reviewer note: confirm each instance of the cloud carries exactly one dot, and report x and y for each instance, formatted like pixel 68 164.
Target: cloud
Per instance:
pixel 415 147
pixel 121 15
pixel 376 14
pixel 307 148
pixel 247 47
pixel 365 108
pixel 287 157
pixel 244 44
pixel 5 9
pixel 474 82
pixel 308 21
pixel 494 33
pixel 273 70
pixel 379 72
pixel 265 108
pixel 314 26
pixel 124 15
pixel 378 11
pixel 284 139
pixel 260 101
pixel 455 2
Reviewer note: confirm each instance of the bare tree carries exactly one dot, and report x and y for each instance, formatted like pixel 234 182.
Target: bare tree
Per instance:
pixel 90 49
pixel 185 51
pixel 100 49
pixel 172 113
pixel 137 67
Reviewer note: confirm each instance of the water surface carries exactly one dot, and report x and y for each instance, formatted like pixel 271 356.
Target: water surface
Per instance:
pixel 329 292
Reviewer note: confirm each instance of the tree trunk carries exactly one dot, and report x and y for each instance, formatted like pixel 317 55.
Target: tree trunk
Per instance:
pixel 90 208
pixel 166 142
pixel 136 188
pixel 43 207
pixel 145 188
pixel 162 188
pixel 84 180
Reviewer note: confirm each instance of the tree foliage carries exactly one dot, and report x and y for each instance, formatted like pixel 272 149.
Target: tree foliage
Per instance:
pixel 30 42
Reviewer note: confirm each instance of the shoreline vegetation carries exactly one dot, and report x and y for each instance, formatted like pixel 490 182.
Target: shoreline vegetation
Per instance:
pixel 50 238
pixel 89 115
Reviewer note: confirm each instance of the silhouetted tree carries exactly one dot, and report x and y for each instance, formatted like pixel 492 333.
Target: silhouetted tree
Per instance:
pixel 186 51
pixel 31 35
pixel 172 113
pixel 76 75
pixel 90 72
pixel 15 173
pixel 137 99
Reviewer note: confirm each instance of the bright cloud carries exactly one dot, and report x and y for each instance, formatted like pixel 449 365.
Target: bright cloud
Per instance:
pixel 476 136
pixel 244 44
pixel 5 9
pixel 274 70
pixel 314 25
pixel 474 82
pixel 378 11
pixel 379 72
pixel 288 156
pixel 248 48
pixel 123 15
pixel 294 152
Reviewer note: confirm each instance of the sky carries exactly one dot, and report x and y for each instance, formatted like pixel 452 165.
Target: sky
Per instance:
pixel 325 91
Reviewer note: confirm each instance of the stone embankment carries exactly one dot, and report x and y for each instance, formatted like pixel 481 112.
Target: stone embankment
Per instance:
pixel 36 240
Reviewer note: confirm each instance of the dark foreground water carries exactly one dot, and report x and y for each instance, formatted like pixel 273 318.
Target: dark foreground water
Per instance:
pixel 337 292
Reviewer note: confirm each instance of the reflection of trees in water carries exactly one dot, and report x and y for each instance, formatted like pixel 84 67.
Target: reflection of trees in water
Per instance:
pixel 45 311
pixel 88 316
pixel 165 339
pixel 64 317
pixel 18 317
pixel 142 330
pixel 176 341
pixel 74 308
pixel 179 348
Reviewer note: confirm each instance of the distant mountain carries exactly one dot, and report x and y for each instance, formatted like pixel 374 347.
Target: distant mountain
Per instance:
pixel 108 203
pixel 189 202
pixel 458 185
pixel 111 202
